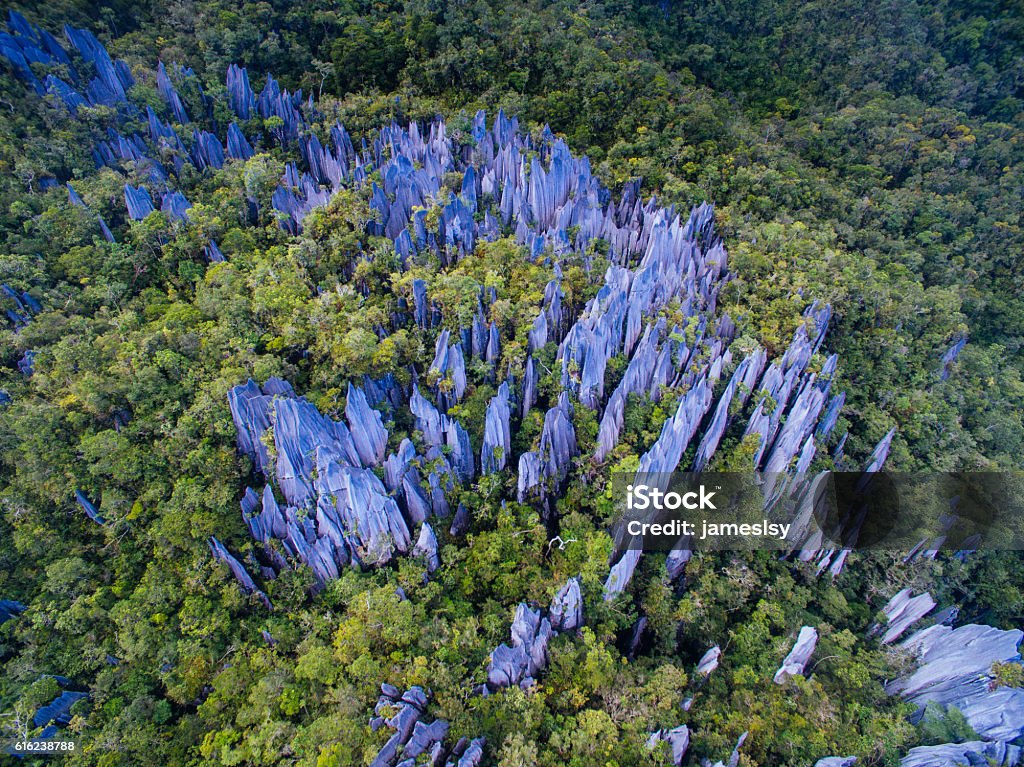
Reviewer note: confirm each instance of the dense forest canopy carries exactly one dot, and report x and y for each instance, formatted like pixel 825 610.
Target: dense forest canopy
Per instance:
pixel 867 156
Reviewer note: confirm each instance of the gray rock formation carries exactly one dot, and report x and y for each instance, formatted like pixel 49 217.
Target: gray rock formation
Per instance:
pixel 353 507
pixel 461 521
pixel 426 547
pixel 709 661
pixel 801 653
pixel 558 439
pixel 520 663
pixel 335 512
pixel 970 754
pixel 368 432
pixel 881 452
pixel 955 669
pixel 903 611
pixel 497 447
pixel 10 608
pixel 412 737
pixel 471 756
pixel 677 738
pixel 90 510
pixel 238 570
pixel 58 711
pixel 450 366
pixel 530 477
pixel 621 574
pixel 566 610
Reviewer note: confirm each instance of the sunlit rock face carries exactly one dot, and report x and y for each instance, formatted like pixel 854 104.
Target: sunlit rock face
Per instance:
pixel 955 669
pixel 798 657
pixel 902 611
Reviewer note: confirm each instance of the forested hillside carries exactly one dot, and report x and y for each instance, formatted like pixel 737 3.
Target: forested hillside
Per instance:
pixel 428 244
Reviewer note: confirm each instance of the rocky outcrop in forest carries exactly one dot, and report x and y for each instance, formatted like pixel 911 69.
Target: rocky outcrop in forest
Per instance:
pixel 383 470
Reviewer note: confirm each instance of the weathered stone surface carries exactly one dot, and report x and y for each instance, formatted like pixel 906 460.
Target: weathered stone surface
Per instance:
pixel 301 433
pixel 461 521
pixel 663 456
pixel 428 419
pixel 426 547
pixel 636 636
pixel 10 608
pixel 970 754
pixel 530 476
pixel 493 344
pixel 734 757
pixel 355 500
pixel 424 736
pixel 263 515
pixel 642 375
pixel 460 451
pixel 240 94
pixel 801 653
pixel 527 655
pixel 675 562
pixel 903 611
pixel 413 736
pixel 558 440
pixel 249 411
pixel 58 710
pixel 418 506
pixel 497 447
pixel 566 610
pixel 955 669
pixel 319 469
pixel 397 464
pixel 709 661
pixel 238 570
pixel 881 452
pixel 138 201
pixel 449 366
pixel 538 333
pixel 368 432
pixel 90 510
pixel 531 378
pixel 542 192
pixel 621 573
pixel 473 755
pixel 950 357
pixel 677 738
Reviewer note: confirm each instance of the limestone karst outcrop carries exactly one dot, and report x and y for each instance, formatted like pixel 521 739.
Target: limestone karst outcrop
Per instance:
pixel 954 668
pixel 795 663
pixel 416 740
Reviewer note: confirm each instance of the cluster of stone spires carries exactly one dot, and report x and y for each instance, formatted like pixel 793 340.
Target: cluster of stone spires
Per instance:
pixel 954 669
pixel 539 191
pixel 522 661
pixel 510 181
pixel 336 511
pixel 416 741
